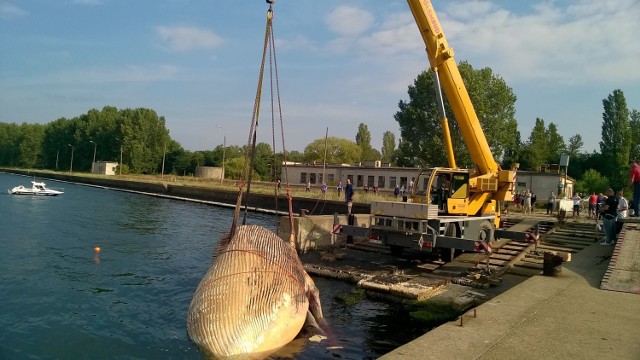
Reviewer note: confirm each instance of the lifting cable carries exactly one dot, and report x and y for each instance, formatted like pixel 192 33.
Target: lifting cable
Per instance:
pixel 250 153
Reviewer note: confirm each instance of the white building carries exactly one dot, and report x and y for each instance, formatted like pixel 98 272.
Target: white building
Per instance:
pixel 104 167
pixel 542 183
pixel 369 173
pixel 209 172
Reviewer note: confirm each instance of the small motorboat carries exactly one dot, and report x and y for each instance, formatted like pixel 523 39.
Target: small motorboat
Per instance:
pixel 37 188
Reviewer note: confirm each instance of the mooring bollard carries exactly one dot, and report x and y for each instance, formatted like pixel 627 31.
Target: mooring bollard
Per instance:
pixel 552 265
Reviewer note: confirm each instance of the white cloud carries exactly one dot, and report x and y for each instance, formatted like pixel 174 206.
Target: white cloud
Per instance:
pixel 182 38
pixel 8 10
pixel 348 21
pixel 589 41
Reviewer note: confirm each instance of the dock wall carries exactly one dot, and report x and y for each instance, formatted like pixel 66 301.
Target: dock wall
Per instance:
pixel 313 206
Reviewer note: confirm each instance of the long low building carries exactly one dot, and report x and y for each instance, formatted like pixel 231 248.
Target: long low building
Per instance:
pixel 386 177
pixel 370 173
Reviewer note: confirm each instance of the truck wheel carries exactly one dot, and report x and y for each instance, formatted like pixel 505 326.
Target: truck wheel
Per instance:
pixel 486 230
pixel 447 255
pixel 396 250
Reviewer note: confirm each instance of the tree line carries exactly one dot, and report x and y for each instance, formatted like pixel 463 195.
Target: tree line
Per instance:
pixel 141 138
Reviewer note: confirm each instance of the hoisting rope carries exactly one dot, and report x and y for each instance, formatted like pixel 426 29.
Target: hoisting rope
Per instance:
pixel 250 153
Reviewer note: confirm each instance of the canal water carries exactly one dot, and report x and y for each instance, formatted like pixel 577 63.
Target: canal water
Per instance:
pixel 61 300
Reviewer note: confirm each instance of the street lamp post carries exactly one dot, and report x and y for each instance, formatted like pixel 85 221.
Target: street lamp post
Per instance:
pixel 120 165
pixel 224 150
pixel 95 147
pixel 71 166
pixel 164 154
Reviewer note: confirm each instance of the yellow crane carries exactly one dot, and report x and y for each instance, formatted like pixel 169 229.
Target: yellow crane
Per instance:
pixel 460 208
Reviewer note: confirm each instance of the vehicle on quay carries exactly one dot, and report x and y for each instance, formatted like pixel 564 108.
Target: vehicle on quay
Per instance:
pixel 37 188
pixel 461 208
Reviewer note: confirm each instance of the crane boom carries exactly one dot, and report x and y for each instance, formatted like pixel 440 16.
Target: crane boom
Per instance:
pixel 442 61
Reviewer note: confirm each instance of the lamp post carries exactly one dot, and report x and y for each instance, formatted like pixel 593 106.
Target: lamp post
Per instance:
pixel 224 150
pixel 120 165
pixel 164 154
pixel 71 166
pixel 95 147
pixel 57 155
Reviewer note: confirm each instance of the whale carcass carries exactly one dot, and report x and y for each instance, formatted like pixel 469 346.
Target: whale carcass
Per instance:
pixel 255 297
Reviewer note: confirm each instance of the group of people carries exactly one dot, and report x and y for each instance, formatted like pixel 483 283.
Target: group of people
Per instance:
pixel 612 208
pixel 525 200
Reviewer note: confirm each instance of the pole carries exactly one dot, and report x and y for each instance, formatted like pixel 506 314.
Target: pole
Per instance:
pixel 120 167
pixel 224 150
pixel 71 166
pixel 57 155
pixel 163 156
pixel 324 164
pixel 95 147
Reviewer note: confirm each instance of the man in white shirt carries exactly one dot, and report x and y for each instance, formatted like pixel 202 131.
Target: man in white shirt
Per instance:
pixel 623 205
pixel 623 208
pixel 576 204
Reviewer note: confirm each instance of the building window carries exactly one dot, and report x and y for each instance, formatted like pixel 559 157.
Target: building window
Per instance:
pixel 332 178
pixel 312 178
pixel 321 177
pixel 303 178
pixel 403 182
pixel 370 181
pixel 393 181
pixel 360 181
pixel 381 182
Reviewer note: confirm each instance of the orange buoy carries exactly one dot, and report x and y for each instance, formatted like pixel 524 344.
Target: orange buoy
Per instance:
pixel 96 249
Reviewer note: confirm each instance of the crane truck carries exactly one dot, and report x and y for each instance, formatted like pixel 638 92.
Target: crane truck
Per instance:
pixel 461 208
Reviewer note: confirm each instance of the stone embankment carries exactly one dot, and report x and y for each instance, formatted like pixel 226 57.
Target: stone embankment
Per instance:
pixel 217 196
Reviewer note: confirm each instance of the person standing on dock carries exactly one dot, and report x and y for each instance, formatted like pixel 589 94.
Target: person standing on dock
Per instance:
pixel 339 188
pixel 576 204
pixel 623 208
pixel 610 212
pixel 634 182
pixel 593 201
pixel 551 203
pixel 308 186
pixel 348 194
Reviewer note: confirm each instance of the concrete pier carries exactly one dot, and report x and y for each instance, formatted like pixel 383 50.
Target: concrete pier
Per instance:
pixel 565 317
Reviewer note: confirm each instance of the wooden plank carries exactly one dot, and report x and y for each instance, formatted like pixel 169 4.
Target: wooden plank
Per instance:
pixel 501 256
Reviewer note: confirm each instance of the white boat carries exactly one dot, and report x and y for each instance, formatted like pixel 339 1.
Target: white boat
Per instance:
pixel 37 188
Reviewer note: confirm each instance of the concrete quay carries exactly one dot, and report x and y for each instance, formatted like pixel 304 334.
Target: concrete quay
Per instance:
pixel 564 317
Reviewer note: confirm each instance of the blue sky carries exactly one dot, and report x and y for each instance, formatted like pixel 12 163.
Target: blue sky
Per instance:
pixel 341 63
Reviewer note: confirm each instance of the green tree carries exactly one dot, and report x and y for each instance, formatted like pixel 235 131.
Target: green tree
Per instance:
pixel 493 101
pixel 555 144
pixel 295 156
pixel 615 145
pixel 592 181
pixel 339 150
pixel 363 139
pixel 574 146
pixel 537 146
pixel 388 146
pixel 145 136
